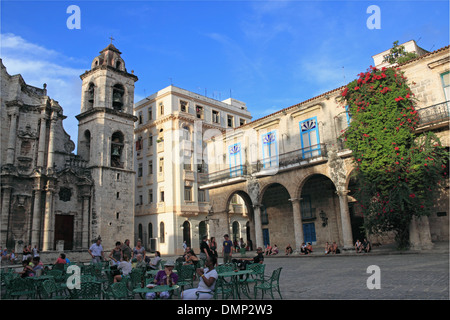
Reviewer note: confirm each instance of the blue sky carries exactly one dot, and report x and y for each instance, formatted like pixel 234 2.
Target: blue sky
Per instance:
pixel 269 54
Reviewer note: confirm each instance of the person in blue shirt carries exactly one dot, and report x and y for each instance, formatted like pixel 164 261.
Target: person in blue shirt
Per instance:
pixel 227 249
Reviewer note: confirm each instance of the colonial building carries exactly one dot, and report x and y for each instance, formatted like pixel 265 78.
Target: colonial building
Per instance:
pixel 49 195
pixel 169 161
pixel 294 174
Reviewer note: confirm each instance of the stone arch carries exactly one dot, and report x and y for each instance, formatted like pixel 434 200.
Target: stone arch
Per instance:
pixel 305 179
pixel 241 213
pixel 277 215
pixel 118 97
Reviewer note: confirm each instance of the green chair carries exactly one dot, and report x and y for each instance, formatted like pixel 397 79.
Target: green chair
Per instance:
pixel 225 267
pixel 19 287
pixel 258 276
pixel 136 276
pixel 186 276
pixel 270 284
pixel 50 290
pixel 89 290
pixel 242 252
pixel 221 291
pixel 119 291
pixel 58 275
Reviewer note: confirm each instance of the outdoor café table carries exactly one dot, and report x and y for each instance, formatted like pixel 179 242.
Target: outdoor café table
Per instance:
pixel 157 288
pixel 236 284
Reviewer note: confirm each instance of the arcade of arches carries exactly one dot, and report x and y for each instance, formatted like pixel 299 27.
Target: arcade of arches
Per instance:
pixel 287 208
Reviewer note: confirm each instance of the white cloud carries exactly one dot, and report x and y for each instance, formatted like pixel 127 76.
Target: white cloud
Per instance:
pixel 39 65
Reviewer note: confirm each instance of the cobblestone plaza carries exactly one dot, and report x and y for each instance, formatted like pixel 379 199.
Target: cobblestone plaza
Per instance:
pixel 403 276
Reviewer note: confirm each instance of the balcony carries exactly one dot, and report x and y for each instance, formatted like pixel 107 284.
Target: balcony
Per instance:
pixel 435 115
pixel 301 157
pixel 224 177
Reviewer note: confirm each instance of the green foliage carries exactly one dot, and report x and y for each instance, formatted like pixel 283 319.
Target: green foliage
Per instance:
pixel 398 172
pixel 399 55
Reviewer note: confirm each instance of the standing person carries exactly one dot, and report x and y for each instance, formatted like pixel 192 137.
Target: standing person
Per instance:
pixel 126 249
pixel 205 251
pixel 213 247
pixel 184 246
pixel 227 249
pixel 35 251
pixel 96 251
pixel 139 249
pixel 26 253
pixel 116 254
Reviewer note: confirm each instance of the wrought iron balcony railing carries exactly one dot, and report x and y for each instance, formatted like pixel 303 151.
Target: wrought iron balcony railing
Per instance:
pixel 434 114
pixel 230 173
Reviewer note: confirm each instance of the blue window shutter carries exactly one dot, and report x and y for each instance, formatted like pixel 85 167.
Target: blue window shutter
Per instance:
pixel 309 137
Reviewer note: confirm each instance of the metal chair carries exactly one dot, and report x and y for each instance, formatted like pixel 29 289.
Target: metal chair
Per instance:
pixel 270 284
pixel 50 290
pixel 186 276
pixel 119 291
pixel 19 287
pixel 89 290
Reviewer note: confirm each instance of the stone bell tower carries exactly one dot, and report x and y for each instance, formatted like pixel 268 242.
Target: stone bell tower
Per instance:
pixel 105 140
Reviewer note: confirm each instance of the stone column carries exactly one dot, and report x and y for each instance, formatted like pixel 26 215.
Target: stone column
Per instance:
pixel 51 142
pixel 85 223
pixel 6 202
pixel 42 134
pixel 48 220
pixel 12 138
pixel 345 220
pixel 419 234
pixel 258 226
pixel 298 224
pixel 37 213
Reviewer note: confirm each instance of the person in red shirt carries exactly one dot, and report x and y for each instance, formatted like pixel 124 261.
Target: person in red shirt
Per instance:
pixel 61 259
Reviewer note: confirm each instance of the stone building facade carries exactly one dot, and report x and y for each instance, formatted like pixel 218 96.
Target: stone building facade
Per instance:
pixel 49 194
pixel 294 174
pixel 169 162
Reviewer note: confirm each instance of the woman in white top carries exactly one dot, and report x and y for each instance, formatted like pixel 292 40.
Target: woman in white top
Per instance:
pixel 208 277
pixel 125 266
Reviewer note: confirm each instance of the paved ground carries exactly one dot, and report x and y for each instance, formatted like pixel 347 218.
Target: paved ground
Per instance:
pixel 403 275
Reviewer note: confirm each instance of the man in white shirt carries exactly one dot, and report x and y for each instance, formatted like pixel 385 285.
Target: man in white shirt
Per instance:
pixel 96 251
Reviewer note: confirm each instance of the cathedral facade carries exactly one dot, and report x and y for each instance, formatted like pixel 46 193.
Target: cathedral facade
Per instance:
pixel 51 197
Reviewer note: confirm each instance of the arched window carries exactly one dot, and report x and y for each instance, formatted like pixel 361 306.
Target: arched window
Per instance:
pixel 117 149
pixel 150 230
pixel 140 234
pixel 90 96
pixel 87 145
pixel 118 94
pixel 187 233
pixel 161 233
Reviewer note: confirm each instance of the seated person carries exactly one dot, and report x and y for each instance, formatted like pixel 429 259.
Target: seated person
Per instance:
pixel 268 250
pixel 358 246
pixel 38 266
pixel 191 258
pixel 125 268
pixel 274 250
pixel 154 261
pixel 163 278
pixel 208 277
pixel 304 249
pixel 288 249
pixel 366 245
pixel 259 258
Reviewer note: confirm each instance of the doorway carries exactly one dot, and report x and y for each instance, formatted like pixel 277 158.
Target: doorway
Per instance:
pixel 64 230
